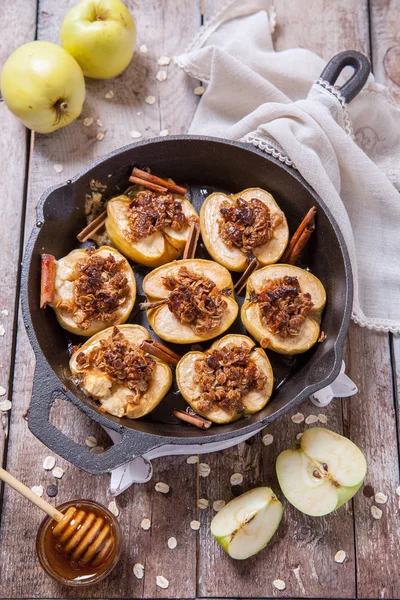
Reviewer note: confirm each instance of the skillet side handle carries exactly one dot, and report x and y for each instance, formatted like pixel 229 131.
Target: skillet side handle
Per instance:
pixel 46 389
pixel 349 58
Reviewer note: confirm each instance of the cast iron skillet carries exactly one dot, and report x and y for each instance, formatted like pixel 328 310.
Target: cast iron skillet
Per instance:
pixel 202 164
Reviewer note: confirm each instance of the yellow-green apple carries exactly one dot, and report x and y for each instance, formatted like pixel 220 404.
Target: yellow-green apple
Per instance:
pixel 43 86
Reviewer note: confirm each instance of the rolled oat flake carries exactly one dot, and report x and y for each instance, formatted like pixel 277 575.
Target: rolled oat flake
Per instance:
pixel 204 469
pixel 376 512
pixel 340 556
pixel 381 498
pixel 279 584
pixel 297 418
pixel 162 487
pixel 138 570
pixel 195 525
pixel 202 503
pixel 49 463
pixel 172 543
pixel 236 479
pixel 162 582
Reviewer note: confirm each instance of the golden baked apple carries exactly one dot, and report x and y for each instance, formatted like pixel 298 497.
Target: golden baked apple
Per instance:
pixel 230 380
pixel 113 369
pixel 237 228
pixel 190 300
pixel 283 308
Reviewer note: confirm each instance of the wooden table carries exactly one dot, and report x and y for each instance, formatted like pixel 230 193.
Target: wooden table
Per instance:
pixel 302 554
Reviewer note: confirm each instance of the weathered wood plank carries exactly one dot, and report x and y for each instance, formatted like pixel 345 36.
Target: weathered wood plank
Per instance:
pixel 385 43
pixel 74 147
pixel 20 20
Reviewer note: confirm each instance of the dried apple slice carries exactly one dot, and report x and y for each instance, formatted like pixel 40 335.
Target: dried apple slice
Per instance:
pixel 283 308
pixel 93 290
pixel 193 300
pixel 246 524
pixel 150 228
pixel 321 471
pixel 229 381
pixel 238 227
pixel 112 368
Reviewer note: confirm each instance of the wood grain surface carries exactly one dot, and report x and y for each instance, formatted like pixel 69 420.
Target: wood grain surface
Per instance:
pixel 302 554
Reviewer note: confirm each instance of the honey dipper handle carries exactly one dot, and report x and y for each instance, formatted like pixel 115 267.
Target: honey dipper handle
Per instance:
pixel 25 491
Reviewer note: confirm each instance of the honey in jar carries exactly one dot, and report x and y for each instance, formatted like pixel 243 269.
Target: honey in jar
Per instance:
pixel 56 552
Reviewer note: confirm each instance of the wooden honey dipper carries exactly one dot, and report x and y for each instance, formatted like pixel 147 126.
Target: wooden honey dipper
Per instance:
pixel 83 536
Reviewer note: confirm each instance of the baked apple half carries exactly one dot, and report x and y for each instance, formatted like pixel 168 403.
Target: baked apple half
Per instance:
pixel 93 290
pixel 237 228
pixel 148 227
pixel 230 380
pixel 190 301
pixel 112 368
pixel 283 308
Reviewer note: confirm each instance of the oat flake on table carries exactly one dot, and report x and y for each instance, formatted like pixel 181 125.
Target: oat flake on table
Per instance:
pixel 199 90
pixel 136 135
pixel 218 504
pixel 97 450
pixel 2 331
pixel 109 95
pixel 138 570
pixel 204 469
pixel 298 418
pixel 164 132
pixel 58 167
pixel 236 479
pixel 311 419
pixel 143 49
pixel 162 582
pixel 58 472
pixel 49 463
pixel 145 524
pixel 150 99
pixel 376 512
pixel 91 441
pixel 113 508
pixel 172 543
pixel 88 121
pixel 2 391
pixel 100 136
pixel 192 460
pixel 161 75
pixel 267 439
pixel 5 405
pixel 381 498
pixel 4 312
pixel 298 436
pixel 202 503
pixel 162 487
pixel 340 556
pixel 322 418
pixel 279 584
pixel 195 525
pixel 398 490
pixel 38 490
pixel 164 61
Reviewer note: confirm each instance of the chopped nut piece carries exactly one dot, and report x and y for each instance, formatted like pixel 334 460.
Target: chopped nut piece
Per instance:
pixel 298 418
pixel 195 525
pixel 162 487
pixel 192 460
pixel 202 503
pixel 279 584
pixel 150 99
pixel 100 136
pixel 162 582
pixel 164 132
pixel 91 441
pixel 164 61
pixel 38 490
pixel 113 508
pixel 204 469
pixel 340 556
pixel 109 95
pixel 172 543
pixel 49 463
pixel 161 75
pixel 145 524
pixel 138 570
pixel 58 472
pixel 381 498
pixel 199 90
pixel 322 418
pixel 311 419
pixel 267 439
pixel 5 405
pixel 376 512
pixel 236 479
pixel 218 504
pixel 88 121
pixel 136 134
pixel 58 167
pixel 143 49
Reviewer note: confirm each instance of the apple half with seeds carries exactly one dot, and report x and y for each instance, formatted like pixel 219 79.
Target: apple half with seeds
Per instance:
pixel 230 380
pixel 93 290
pixel 148 227
pixel 283 308
pixel 242 226
pixel 112 368
pixel 321 471
pixel 246 524
pixel 190 301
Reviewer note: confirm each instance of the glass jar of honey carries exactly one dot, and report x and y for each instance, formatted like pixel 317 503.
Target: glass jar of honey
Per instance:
pixel 93 527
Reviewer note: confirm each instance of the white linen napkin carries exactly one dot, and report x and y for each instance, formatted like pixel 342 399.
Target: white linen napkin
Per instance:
pixel 350 154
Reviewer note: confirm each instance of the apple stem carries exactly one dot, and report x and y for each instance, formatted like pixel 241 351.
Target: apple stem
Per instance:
pixel 63 105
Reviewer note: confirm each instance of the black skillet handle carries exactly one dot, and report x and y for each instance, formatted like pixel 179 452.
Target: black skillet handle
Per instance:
pixel 349 58
pixel 46 389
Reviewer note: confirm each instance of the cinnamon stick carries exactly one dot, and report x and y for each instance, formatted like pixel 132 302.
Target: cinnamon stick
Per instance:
pixel 197 421
pixel 301 243
pixel 148 184
pixel 48 280
pixel 160 351
pixel 308 220
pixel 172 187
pixel 192 241
pixel 94 226
pixel 251 267
pixel 148 305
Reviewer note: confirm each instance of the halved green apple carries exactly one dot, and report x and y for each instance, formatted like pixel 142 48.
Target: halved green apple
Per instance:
pixel 310 329
pixel 115 397
pixel 251 402
pixel 234 258
pixel 67 275
pixel 321 471
pixel 246 524
pixel 154 250
pixel 165 324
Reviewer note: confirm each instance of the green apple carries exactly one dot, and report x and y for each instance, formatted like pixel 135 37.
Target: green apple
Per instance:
pixel 43 86
pixel 101 36
pixel 246 524
pixel 321 471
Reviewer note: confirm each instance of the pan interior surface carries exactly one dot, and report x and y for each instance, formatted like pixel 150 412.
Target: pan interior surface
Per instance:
pixel 203 165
